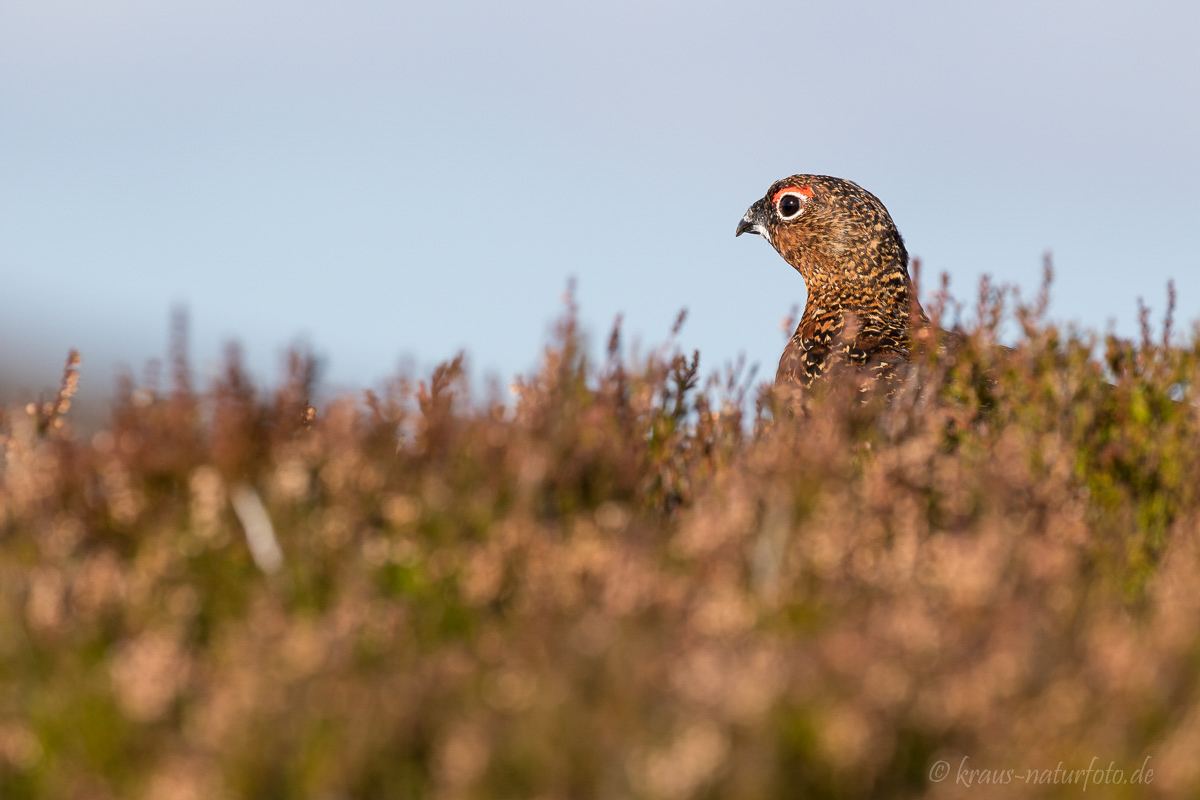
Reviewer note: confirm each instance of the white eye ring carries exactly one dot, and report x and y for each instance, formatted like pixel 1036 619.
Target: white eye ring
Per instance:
pixel 789 205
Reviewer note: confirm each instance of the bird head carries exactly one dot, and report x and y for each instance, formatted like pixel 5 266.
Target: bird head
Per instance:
pixel 832 231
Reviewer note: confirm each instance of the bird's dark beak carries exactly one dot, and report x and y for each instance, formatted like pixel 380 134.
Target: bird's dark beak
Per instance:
pixel 750 223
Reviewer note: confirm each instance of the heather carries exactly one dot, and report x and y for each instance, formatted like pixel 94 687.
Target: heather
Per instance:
pixel 623 576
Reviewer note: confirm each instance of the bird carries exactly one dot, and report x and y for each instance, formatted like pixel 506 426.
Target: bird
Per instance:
pixel 862 311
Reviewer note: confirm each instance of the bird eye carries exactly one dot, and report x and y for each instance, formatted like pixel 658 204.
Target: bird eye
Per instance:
pixel 790 205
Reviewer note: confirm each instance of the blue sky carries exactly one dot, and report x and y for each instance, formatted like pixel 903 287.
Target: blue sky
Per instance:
pixel 392 181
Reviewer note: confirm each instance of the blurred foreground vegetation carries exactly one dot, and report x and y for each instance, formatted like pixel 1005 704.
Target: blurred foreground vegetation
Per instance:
pixel 625 580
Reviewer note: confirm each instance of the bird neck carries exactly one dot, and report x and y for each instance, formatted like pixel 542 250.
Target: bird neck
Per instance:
pixel 881 299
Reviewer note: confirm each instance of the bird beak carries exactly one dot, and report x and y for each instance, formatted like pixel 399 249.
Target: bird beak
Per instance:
pixel 750 224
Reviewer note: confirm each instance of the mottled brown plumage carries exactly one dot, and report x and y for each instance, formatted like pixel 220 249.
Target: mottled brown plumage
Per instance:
pixel 861 311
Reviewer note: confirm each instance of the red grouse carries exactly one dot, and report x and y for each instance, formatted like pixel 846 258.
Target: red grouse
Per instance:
pixel 861 310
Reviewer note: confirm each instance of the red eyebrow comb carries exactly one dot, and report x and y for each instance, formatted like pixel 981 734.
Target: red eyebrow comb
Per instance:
pixel 805 190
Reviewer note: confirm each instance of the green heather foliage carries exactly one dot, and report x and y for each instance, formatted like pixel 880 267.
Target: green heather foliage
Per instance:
pixel 623 581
